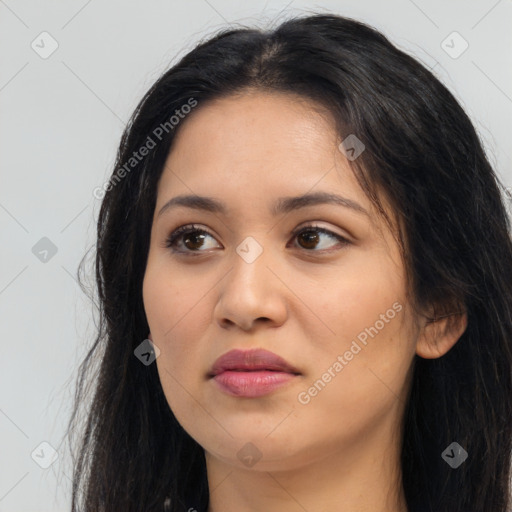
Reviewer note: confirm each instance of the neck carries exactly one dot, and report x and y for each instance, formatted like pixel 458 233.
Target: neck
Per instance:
pixel 362 476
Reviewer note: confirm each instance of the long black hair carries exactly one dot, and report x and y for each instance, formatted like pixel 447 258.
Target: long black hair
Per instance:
pixel 423 155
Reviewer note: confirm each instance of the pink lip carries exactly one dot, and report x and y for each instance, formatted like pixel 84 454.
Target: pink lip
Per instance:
pixel 251 373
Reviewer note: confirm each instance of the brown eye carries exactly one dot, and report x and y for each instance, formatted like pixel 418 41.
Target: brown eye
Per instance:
pixel 311 237
pixel 192 240
pixel 195 239
pixel 189 236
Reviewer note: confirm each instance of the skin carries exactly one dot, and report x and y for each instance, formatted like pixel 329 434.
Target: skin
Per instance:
pixel 305 301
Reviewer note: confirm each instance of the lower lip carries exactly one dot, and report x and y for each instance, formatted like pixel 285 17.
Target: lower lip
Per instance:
pixel 251 384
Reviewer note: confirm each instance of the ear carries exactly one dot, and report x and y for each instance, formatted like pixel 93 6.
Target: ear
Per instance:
pixel 439 334
pixel 149 337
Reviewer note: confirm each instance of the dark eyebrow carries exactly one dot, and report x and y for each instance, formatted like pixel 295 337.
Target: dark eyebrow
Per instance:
pixel 282 205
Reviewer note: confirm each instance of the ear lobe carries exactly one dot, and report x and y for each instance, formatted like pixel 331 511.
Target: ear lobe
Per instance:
pixel 439 335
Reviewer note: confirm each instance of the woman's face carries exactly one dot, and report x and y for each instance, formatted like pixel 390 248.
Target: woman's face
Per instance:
pixel 334 309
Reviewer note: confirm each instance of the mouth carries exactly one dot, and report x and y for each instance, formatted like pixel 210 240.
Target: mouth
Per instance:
pixel 251 373
pixel 255 360
pixel 252 383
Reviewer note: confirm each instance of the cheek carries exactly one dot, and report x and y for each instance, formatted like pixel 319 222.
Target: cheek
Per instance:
pixel 166 311
pixel 345 398
pixel 365 314
pixel 172 310
pixel 352 304
pixel 178 311
pixel 169 302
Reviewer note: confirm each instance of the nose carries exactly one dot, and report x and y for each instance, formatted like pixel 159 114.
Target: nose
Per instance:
pixel 251 292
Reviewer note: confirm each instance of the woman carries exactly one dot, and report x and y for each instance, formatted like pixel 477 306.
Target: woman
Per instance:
pixel 304 269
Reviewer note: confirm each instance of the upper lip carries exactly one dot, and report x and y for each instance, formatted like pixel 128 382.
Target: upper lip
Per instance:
pixel 251 360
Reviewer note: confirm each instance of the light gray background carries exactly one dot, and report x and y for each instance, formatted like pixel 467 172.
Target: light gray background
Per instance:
pixel 61 121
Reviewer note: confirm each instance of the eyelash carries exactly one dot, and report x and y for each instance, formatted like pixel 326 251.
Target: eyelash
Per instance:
pixel 170 241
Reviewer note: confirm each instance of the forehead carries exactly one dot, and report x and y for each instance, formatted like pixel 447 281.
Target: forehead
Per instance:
pixel 256 124
pixel 257 139
pixel 249 151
